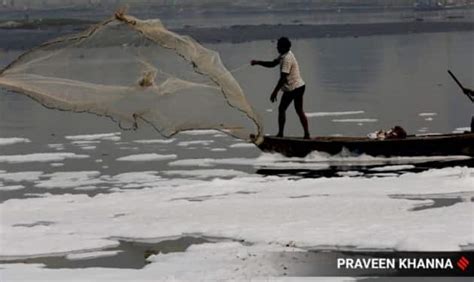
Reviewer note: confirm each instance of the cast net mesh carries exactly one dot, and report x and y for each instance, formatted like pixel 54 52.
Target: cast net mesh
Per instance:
pixel 136 72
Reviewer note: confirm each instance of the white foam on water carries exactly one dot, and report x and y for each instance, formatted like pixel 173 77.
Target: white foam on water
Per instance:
pixel 355 120
pixel 70 179
pixel 205 173
pixel 462 130
pixel 40 157
pixel 256 209
pixel 347 158
pixel 20 176
pixel 242 145
pixel 145 180
pixel 92 180
pixel 139 177
pixel 56 146
pixel 147 157
pixel 462 172
pixel 218 149
pixel 201 132
pixel 10 24
pixel 254 162
pixel 350 173
pixel 195 142
pixel 155 141
pixel 115 136
pixel 92 255
pixel 385 174
pixel 265 159
pixel 429 119
pixel 315 160
pixel 39 195
pixel 427 114
pixel 329 114
pixel 11 187
pixel 85 142
pixel 13 140
pixel 268 212
pixel 129 148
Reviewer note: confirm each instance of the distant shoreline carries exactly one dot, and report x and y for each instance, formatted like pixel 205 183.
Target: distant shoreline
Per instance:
pixel 21 38
pixel 246 33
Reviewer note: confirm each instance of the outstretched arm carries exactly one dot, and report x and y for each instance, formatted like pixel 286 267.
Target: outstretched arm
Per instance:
pixel 267 64
pixel 281 82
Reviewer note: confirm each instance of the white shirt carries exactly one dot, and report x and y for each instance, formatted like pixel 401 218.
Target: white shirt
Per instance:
pixel 289 65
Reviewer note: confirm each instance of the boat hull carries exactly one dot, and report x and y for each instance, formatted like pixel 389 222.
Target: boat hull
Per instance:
pixel 427 145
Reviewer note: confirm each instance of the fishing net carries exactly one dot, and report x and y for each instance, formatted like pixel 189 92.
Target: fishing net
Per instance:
pixel 136 72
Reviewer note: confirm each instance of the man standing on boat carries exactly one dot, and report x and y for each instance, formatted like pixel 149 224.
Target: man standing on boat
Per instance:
pixel 290 83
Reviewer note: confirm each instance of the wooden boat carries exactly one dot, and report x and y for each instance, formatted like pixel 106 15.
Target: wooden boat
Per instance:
pixel 419 145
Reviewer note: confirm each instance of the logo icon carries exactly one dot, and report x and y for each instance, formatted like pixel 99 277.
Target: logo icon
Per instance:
pixel 463 263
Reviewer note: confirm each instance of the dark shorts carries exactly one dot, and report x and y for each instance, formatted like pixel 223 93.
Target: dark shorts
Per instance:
pixel 288 97
pixel 297 92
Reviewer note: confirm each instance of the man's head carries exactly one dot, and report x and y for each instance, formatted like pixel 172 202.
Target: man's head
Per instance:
pixel 283 45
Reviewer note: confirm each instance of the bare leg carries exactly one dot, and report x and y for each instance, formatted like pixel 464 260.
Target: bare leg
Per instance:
pixel 284 103
pixel 301 114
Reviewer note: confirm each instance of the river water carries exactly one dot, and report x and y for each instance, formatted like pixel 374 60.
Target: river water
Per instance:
pixel 355 85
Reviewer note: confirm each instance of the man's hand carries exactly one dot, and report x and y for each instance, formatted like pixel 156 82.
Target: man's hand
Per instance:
pixel 468 91
pixel 273 98
pixel 253 62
